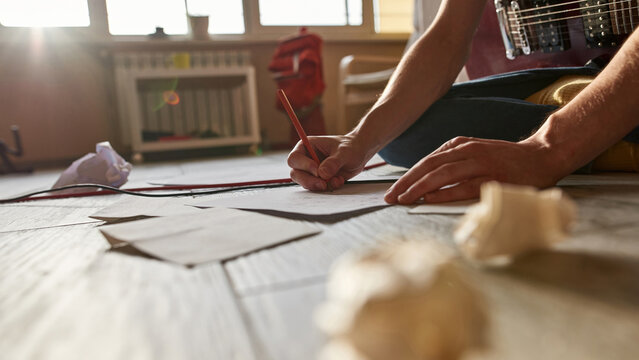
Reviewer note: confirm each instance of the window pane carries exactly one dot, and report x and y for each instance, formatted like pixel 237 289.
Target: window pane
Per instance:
pixel 141 17
pixel 394 16
pixel 226 16
pixel 355 13
pixel 44 13
pixel 310 12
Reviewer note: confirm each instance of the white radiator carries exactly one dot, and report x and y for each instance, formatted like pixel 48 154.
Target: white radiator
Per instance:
pixel 177 100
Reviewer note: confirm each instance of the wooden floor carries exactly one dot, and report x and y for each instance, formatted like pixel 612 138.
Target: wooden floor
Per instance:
pixel 65 295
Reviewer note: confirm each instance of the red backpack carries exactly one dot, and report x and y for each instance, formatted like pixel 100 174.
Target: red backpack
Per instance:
pixel 297 69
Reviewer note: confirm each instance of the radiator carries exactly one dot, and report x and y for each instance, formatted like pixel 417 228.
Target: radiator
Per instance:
pixel 170 100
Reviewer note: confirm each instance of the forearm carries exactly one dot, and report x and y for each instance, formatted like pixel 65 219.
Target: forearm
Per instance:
pixel 425 73
pixel 598 117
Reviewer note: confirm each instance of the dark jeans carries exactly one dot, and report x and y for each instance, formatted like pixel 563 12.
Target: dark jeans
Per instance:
pixel 489 108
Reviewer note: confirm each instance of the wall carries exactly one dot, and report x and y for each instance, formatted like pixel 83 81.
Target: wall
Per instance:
pixel 61 94
pixel 58 95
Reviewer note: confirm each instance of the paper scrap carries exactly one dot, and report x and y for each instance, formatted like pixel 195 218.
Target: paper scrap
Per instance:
pixel 295 199
pixel 133 207
pixel 513 219
pixel 449 208
pixel 207 235
pixel 104 167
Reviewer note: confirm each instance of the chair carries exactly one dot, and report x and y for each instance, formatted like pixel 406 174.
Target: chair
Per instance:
pixel 362 79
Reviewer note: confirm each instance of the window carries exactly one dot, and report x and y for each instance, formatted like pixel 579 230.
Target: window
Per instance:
pixel 310 12
pixel 44 13
pixel 141 17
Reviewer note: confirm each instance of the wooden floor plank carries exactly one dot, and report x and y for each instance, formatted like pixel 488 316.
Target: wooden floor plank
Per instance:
pixel 15 218
pixel 283 321
pixel 71 299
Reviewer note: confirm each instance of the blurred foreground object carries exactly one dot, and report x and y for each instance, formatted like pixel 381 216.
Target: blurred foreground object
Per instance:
pixel 104 167
pixel 7 166
pixel 511 220
pixel 401 301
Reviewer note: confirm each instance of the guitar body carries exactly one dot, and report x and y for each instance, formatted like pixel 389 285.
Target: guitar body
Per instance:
pixel 488 52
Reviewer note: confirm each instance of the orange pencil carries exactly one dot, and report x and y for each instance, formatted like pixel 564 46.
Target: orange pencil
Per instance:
pixel 297 125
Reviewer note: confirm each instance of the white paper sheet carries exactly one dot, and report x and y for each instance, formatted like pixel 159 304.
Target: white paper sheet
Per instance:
pixel 265 168
pixel 207 235
pixel 295 199
pixel 133 207
pixel 451 208
pixel 384 172
pixel 228 173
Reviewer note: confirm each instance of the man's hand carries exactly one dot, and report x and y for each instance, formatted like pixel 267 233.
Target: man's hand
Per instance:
pixel 340 160
pixel 456 170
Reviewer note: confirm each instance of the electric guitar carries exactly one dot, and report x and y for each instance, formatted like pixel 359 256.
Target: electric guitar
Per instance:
pixel 548 33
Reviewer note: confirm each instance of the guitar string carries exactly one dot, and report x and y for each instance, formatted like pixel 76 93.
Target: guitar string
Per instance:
pixel 519 41
pixel 597 7
pixel 569 3
pixel 573 17
pixel 563 29
pixel 517 13
pixel 626 14
pixel 531 9
pixel 616 10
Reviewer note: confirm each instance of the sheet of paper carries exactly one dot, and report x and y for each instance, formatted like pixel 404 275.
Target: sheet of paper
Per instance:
pixel 252 169
pixel 134 207
pixel 207 235
pixel 384 172
pixel 452 208
pixel 231 174
pixel 295 199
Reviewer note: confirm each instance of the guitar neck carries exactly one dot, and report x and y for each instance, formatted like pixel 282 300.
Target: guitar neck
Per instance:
pixel 529 26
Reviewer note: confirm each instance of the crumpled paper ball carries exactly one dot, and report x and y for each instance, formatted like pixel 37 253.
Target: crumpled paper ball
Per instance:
pixel 401 301
pixel 104 167
pixel 511 220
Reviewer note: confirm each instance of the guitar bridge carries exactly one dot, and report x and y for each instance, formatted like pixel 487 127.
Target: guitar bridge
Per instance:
pixel 513 31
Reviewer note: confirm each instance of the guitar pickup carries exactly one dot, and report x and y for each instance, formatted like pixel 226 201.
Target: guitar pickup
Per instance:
pixel 551 31
pixel 604 22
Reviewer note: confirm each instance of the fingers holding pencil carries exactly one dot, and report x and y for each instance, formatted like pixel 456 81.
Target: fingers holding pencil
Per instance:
pixel 313 174
pixel 305 170
pixel 338 163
